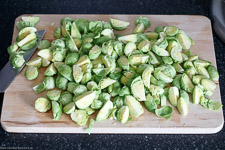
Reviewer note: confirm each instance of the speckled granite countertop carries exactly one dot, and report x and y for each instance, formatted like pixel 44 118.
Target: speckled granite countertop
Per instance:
pixel 10 9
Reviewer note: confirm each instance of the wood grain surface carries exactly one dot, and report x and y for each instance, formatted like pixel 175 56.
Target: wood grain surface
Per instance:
pixel 19 115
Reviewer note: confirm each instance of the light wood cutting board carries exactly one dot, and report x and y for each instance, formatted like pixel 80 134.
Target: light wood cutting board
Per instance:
pixel 19 115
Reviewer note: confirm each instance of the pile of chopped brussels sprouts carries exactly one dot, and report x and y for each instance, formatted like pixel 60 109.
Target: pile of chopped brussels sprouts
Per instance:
pixel 25 40
pixel 90 69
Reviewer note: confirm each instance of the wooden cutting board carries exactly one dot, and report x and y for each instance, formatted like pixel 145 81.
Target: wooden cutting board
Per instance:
pixel 19 115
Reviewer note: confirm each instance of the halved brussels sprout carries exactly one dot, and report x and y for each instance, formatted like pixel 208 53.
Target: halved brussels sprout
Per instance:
pixel 32 19
pixel 12 49
pixel 165 112
pixel 202 71
pixel 123 114
pixel 144 20
pixel 119 24
pixel 29 45
pixel 137 89
pixel 49 83
pixel 75 33
pixel 160 51
pixel 24 32
pixel 57 32
pixel 173 95
pixel 69 108
pixel 118 102
pixel 96 104
pixel 45 53
pixel 65 71
pixel 139 28
pixel 83 101
pixel 50 71
pixel 128 38
pixel 151 103
pixel 27 39
pixel 208 84
pixel 118 47
pixel 79 90
pixel 58 43
pixel 197 94
pixel 31 73
pixel 96 27
pixel 61 82
pixel 176 81
pixel 138 59
pixel 108 32
pixel 105 111
pixel 82 25
pixel 71 58
pixel 66 98
pixel 42 104
pixel 134 106
pixel 17 60
pixel 105 82
pixel 171 30
pixel 151 35
pixel 94 52
pixel 184 40
pixel 176 54
pixel 129 48
pixel 158 29
pixel 186 83
pixel 70 44
pixel 80 117
pixel 53 95
pixel 77 73
pixel 44 44
pixel 184 95
pixel 39 88
pixel 213 73
pixel 23 24
pixel 36 62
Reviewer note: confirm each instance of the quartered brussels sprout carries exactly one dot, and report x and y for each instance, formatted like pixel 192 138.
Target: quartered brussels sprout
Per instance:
pixel 27 39
pixel 69 108
pixel 144 46
pixel 176 54
pixel 119 24
pixel 139 28
pixel 213 73
pixel 158 29
pixel 104 97
pixel 107 48
pixel 86 78
pixel 137 89
pixel 31 19
pixel 167 60
pixel 184 95
pixel 77 73
pixel 202 63
pixel 58 43
pixel 178 68
pixel 96 104
pixel 71 86
pixel 193 58
pixel 138 59
pixel 39 88
pixel 128 38
pixel 44 44
pixel 124 91
pixel 156 90
pixel 94 52
pixel 56 110
pixel 197 94
pixel 184 40
pixel 186 83
pixel 118 47
pixel 208 84
pixel 143 20
pixel 96 27
pixel 59 54
pixel 202 71
pixel 42 104
pixel 29 45
pixel 90 111
pixel 129 48
pixel 82 25
pixel 123 62
pixel 151 35
pixel 24 32
pixel 71 58
pixel 134 106
pixel 152 58
pixel 173 95
pixel 50 71
pixel 160 51
pixel 45 53
pixel 57 32
pixel 105 82
pixel 75 33
pixel 108 32
pixel 91 123
pixel 31 73
pixel 36 62
pixel 176 81
pixel 49 83
pixel 165 112
pixel 162 100
pixel 79 90
pixel 17 60
pixel 45 62
pixel 53 95
pixel 66 98
pixel 70 44
pixel 118 102
pixel 101 72
pixel 12 49
pixel 83 101
pixel 105 111
pixel 123 114
pixel 61 82
pixel 80 117
pixel 23 24
pixel 65 71
pixel 151 103
pixel 83 60
pixel 210 104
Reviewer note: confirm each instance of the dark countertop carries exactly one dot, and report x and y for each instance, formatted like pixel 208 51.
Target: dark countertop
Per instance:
pixel 10 9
